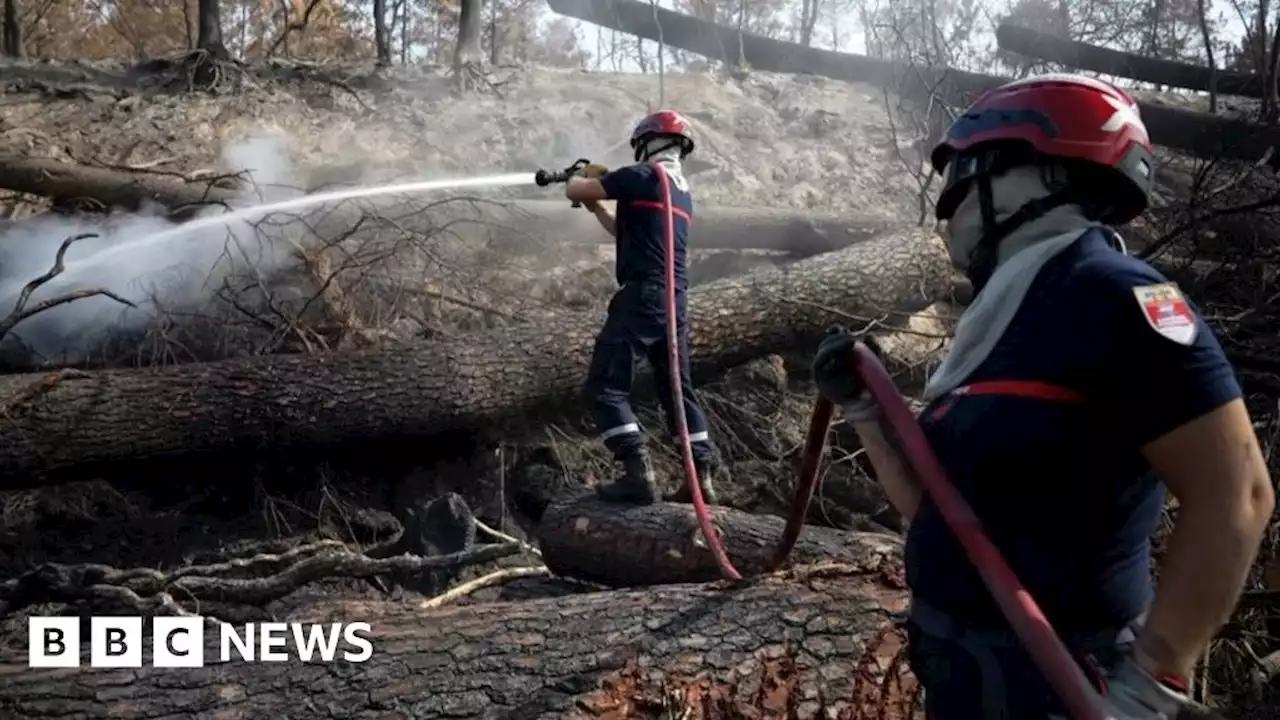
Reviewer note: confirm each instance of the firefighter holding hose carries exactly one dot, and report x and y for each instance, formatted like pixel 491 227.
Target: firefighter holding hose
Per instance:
pixel 636 322
pixel 1080 385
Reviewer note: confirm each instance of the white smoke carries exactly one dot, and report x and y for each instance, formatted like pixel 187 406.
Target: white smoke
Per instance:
pixel 185 269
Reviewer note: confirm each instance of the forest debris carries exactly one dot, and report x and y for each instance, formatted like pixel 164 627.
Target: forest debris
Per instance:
pixel 484 380
pixel 248 581
pixel 549 658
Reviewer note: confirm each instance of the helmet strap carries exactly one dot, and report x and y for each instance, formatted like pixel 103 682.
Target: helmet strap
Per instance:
pixel 642 152
pixel 986 254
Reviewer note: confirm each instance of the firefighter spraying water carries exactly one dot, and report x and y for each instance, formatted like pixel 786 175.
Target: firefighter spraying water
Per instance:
pixel 654 209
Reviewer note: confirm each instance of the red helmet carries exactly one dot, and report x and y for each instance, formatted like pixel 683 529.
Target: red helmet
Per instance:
pixel 1093 126
pixel 664 123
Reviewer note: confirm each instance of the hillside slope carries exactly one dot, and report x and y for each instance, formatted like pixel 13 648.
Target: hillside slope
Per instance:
pixel 772 141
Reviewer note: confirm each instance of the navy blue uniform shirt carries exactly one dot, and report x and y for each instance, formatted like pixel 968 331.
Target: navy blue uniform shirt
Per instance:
pixel 642 224
pixel 1059 481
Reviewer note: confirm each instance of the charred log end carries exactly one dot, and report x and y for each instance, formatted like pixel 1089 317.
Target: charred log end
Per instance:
pixel 662 544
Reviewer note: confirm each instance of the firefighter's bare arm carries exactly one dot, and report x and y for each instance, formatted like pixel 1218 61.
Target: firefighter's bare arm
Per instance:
pixel 892 471
pixel 585 189
pixel 1215 469
pixel 604 215
pixel 834 373
pixel 589 190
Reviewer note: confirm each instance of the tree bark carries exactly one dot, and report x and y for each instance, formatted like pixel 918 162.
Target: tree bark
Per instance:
pixel 75 421
pixel 470 19
pixel 661 544
pixel 495 46
pixel 209 35
pixel 381 36
pixel 808 18
pixel 1045 46
pixel 1194 132
pixel 813 641
pixel 13 28
pixel 799 232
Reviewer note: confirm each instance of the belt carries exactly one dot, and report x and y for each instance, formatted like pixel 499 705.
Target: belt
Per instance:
pixel 945 626
pixel 981 642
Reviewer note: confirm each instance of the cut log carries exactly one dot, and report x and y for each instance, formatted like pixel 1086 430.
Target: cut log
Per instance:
pixel 1044 46
pixel 814 641
pixel 1197 133
pixel 661 544
pixel 495 379
pixel 725 228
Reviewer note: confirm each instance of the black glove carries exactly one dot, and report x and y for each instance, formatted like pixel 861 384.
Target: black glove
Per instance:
pixel 838 379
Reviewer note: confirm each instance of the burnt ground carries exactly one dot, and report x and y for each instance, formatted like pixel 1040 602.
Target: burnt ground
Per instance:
pixel 770 141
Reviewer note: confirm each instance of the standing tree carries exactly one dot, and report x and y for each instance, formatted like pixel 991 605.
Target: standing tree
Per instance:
pixel 467 54
pixel 381 34
pixel 808 18
pixel 209 34
pixel 12 29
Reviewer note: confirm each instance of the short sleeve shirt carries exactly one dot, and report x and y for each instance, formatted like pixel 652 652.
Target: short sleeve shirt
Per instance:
pixel 1044 440
pixel 642 224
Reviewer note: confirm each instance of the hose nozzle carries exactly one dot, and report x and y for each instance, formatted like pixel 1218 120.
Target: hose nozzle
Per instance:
pixel 546 177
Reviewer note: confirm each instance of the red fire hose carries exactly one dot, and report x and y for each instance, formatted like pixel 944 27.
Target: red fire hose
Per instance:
pixel 1017 605
pixel 677 395
pixel 1019 608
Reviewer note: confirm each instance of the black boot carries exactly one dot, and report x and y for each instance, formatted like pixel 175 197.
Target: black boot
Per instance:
pixel 636 486
pixel 708 470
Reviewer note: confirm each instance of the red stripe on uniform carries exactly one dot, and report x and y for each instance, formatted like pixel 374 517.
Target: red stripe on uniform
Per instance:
pixel 1031 389
pixel 662 206
pixel 1022 388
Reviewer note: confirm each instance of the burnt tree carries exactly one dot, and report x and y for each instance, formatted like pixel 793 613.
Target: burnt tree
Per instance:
pixel 13 28
pixel 381 34
pixel 490 380
pixel 662 544
pixel 467 53
pixel 819 641
pixel 1195 132
pixel 209 30
pixel 1045 46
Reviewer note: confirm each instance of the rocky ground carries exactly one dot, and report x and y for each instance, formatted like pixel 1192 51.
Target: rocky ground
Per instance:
pixel 763 141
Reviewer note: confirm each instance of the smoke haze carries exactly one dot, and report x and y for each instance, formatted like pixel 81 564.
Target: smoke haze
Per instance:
pixel 182 271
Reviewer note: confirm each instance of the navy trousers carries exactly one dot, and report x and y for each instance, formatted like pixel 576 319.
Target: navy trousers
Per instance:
pixel 986 674
pixel 637 327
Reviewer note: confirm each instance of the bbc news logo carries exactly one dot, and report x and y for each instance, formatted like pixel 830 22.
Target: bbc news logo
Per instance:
pixel 179 642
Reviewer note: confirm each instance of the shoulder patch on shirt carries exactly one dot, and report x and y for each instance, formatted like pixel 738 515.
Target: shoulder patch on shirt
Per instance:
pixel 1167 311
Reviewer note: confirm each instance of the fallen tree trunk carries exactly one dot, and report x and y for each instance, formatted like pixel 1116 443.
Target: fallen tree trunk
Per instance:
pixel 661 544
pixel 78 420
pixel 1197 133
pixel 818 642
pixel 61 181
pixel 715 227
pixel 731 228
pixel 1044 46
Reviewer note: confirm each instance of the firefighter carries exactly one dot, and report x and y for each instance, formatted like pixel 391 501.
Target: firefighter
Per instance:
pixel 1080 385
pixel 636 323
